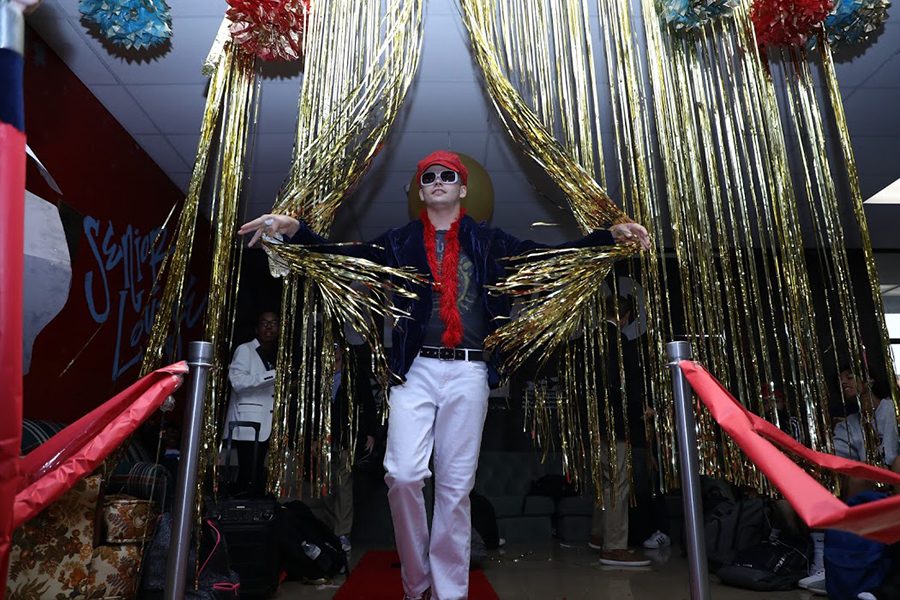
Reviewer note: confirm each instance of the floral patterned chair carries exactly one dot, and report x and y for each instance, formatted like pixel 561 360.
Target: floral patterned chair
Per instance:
pixel 87 544
pixel 72 550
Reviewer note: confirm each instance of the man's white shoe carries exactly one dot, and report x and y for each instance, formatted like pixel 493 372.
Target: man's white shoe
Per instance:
pixel 657 540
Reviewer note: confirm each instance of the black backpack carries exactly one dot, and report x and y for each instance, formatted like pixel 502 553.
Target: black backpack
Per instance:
pixel 309 549
pixel 731 524
pixel 768 566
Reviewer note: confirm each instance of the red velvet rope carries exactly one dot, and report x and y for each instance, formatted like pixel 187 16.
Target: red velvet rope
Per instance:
pixel 818 507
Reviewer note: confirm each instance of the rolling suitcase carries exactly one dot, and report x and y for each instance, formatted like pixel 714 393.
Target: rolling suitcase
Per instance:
pixel 250 527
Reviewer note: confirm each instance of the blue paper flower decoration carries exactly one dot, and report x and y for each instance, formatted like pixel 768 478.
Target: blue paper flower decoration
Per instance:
pixel 686 15
pixel 137 24
pixel 852 21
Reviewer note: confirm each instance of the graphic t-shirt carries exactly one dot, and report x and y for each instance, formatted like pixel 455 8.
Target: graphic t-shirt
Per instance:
pixel 468 300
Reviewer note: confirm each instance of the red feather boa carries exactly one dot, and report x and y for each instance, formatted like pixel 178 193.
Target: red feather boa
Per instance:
pixel 446 278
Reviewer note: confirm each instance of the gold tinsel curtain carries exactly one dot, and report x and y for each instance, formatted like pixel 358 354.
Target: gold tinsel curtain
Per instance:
pixel 700 129
pixel 360 58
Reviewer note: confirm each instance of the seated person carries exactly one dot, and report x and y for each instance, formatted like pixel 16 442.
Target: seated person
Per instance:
pixel 848 434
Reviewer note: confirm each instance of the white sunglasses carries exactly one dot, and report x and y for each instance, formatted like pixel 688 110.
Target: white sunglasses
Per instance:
pixel 430 177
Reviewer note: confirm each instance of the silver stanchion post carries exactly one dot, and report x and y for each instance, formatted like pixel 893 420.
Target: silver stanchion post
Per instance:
pixel 685 428
pixel 200 360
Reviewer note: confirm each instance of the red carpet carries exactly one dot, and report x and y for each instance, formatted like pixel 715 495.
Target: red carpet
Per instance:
pixel 377 577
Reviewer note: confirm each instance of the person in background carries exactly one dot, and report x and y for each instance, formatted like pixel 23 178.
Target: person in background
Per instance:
pixel 609 527
pixel 336 508
pixel 848 434
pixel 849 442
pixel 252 377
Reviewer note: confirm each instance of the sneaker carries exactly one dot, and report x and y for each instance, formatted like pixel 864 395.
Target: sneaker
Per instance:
pixel 623 558
pixel 595 543
pixel 345 543
pixel 426 595
pixel 813 581
pixel 866 596
pixel 657 540
pixel 818 588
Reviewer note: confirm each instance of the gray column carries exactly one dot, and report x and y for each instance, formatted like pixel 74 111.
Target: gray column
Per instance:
pixel 685 429
pixel 200 360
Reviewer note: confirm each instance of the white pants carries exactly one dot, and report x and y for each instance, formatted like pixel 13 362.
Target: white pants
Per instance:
pixel 441 407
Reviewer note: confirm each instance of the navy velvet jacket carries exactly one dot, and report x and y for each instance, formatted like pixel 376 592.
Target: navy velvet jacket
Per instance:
pixel 405 247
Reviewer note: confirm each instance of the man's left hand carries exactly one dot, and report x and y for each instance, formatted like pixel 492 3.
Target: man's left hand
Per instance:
pixel 631 232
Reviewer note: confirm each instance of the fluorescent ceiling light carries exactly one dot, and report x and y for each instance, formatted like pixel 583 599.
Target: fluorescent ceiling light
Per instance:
pixel 889 195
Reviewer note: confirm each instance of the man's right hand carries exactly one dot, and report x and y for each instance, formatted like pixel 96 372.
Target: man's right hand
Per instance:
pixel 269 225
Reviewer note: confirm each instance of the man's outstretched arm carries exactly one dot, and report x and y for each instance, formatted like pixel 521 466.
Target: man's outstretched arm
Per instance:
pixel 621 233
pixel 297 232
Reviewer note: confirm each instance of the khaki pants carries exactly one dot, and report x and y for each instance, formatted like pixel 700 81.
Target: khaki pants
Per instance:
pixel 336 509
pixel 611 523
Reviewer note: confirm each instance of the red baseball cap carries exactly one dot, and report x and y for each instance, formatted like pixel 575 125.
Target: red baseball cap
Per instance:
pixel 444 158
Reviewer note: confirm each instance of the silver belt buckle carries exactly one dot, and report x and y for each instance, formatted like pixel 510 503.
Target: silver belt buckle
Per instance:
pixel 446 353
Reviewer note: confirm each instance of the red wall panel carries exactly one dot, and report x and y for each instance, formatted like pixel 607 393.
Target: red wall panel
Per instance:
pixel 93 348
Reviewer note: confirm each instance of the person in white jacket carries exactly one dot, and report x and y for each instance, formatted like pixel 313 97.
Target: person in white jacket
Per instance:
pixel 252 376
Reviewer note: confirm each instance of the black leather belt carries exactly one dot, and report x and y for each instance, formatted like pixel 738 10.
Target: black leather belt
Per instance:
pixel 451 353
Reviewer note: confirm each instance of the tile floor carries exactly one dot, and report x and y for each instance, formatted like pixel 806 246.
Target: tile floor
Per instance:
pixel 553 572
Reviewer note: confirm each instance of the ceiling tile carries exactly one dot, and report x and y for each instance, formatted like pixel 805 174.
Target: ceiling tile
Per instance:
pixel 197 8
pixel 172 108
pixel 262 191
pixel 186 145
pixel 381 216
pixel 440 106
pixel 472 143
pixel 51 9
pixel 181 179
pixel 272 152
pixel 888 75
pixel 873 113
pixel 278 106
pixel 882 220
pixel 501 153
pixel 162 152
pixel 445 37
pixel 405 149
pixel 441 7
pixel 190 44
pixel 854 68
pixel 877 155
pixel 67 43
pixel 379 187
pixel 124 108
pixel 68 7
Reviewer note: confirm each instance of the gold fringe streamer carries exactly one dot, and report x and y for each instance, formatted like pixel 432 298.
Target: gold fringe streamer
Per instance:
pixel 360 58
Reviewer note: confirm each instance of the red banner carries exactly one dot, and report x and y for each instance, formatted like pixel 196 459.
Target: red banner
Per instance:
pixel 56 465
pixel 818 507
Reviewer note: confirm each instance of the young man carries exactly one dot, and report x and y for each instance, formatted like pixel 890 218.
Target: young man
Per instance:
pixel 252 376
pixel 440 406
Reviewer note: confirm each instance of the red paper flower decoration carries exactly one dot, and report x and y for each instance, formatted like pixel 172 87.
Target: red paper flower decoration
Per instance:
pixel 787 22
pixel 270 29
